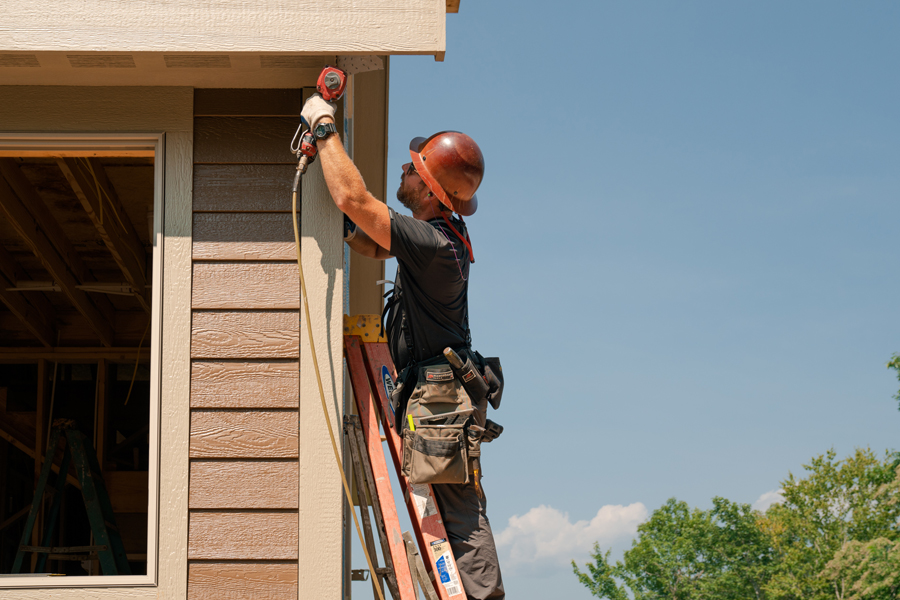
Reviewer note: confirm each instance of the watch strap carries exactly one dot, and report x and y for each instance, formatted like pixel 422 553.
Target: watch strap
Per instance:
pixel 323 130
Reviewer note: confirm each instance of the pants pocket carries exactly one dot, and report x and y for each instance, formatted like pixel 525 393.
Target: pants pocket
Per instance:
pixel 435 455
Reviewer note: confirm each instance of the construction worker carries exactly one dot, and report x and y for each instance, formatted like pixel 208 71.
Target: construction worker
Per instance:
pixel 429 307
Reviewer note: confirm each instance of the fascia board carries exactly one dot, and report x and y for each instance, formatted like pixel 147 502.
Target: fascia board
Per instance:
pixel 233 26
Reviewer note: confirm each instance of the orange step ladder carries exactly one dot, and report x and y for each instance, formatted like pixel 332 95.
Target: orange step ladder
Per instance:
pixel 372 375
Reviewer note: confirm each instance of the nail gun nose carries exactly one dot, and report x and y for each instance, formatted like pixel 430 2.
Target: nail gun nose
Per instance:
pixel 332 81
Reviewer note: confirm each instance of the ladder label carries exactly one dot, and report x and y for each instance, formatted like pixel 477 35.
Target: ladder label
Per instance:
pixel 445 567
pixel 388 383
pixel 422 497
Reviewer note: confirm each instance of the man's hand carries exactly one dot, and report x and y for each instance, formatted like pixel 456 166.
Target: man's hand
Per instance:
pixel 315 109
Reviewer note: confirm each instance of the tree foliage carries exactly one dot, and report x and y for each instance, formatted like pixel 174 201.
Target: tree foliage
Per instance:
pixel 870 570
pixel 838 502
pixel 835 536
pixel 684 554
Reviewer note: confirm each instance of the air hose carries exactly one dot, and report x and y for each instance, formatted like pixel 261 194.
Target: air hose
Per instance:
pixel 312 347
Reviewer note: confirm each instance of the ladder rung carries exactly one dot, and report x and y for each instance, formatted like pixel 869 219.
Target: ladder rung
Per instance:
pixel 73 557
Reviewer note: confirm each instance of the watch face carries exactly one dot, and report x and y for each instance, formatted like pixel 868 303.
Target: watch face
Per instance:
pixel 324 129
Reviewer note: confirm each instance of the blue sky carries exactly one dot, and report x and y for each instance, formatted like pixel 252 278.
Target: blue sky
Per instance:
pixel 686 251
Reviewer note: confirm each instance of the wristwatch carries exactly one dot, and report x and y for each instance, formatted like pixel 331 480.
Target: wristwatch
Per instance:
pixel 323 130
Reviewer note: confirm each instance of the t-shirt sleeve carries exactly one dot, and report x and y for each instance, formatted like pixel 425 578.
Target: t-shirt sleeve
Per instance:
pixel 413 242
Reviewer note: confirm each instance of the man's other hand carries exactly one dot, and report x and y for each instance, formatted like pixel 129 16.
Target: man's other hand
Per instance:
pixel 315 109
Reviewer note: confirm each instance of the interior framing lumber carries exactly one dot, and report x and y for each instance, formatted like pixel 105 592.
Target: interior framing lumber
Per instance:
pixel 36 322
pixel 36 226
pixel 73 355
pixel 15 273
pixel 91 185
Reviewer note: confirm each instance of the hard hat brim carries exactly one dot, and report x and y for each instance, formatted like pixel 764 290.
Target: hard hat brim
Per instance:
pixel 465 208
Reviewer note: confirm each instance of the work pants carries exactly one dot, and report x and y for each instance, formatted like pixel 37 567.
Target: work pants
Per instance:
pixel 471 539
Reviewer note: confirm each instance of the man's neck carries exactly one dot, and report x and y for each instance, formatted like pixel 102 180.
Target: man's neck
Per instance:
pixel 431 209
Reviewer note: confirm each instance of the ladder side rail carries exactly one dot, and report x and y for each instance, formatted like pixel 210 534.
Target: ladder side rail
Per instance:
pixel 376 507
pixel 420 501
pixel 53 515
pixel 415 562
pixel 38 498
pixel 99 510
pixel 368 414
pixel 358 475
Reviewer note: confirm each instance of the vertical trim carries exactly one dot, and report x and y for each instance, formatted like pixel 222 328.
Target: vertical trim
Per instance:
pixel 320 492
pixel 176 223
pixel 156 303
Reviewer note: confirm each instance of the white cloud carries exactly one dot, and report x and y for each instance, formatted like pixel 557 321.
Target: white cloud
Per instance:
pixel 768 499
pixel 545 536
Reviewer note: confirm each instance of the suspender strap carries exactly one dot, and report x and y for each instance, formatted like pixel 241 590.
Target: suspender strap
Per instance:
pixel 465 240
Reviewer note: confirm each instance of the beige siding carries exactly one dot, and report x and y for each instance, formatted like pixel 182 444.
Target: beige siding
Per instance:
pixel 245 346
pixel 218 580
pixel 258 384
pixel 247 236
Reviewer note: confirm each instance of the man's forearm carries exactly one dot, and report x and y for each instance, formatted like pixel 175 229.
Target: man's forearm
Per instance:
pixel 341 175
pixel 348 190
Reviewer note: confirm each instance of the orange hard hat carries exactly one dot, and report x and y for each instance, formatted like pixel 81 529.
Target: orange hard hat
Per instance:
pixel 452 166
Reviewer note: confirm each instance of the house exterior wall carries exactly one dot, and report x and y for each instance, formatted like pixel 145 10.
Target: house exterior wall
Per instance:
pixel 135 110
pixel 249 499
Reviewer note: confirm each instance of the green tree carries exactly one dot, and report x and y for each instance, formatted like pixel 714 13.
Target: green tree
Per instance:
pixel 870 570
pixel 687 554
pixel 666 561
pixel 839 501
pixel 741 552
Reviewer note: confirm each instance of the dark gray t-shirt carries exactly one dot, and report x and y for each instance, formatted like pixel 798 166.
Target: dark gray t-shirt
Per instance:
pixel 432 277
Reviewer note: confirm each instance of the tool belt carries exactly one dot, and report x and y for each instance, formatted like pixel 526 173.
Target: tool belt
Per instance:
pixel 442 423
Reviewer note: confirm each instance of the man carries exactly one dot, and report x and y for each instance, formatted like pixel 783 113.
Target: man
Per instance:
pixel 429 308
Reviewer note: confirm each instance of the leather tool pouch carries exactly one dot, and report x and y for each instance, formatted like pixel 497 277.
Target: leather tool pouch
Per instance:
pixel 437 392
pixel 436 454
pixel 437 450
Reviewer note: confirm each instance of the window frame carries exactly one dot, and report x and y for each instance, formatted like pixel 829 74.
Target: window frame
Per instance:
pixel 45 144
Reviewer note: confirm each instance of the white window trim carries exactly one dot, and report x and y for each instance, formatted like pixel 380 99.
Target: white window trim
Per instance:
pixel 114 144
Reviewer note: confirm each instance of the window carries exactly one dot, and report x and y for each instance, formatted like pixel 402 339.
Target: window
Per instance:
pixel 80 273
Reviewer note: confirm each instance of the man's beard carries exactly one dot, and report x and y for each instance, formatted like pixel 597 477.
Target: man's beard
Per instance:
pixel 409 199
